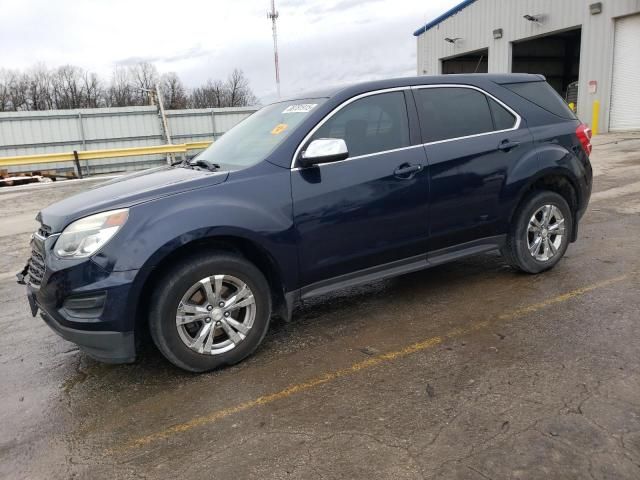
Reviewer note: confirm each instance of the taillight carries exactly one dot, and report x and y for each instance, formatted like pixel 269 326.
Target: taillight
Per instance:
pixel 583 133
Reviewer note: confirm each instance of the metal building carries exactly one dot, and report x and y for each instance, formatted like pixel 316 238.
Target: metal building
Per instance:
pixel 588 51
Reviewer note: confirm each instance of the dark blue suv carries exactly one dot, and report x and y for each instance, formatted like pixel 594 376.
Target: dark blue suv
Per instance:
pixel 306 196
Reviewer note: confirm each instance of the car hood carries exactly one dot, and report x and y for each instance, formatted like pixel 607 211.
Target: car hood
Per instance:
pixel 127 191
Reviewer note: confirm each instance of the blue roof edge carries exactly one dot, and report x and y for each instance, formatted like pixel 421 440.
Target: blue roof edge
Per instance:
pixel 442 17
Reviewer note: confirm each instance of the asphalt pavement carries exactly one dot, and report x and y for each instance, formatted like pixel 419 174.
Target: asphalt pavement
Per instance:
pixel 466 371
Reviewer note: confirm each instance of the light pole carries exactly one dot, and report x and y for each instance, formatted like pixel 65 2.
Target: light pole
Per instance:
pixel 163 116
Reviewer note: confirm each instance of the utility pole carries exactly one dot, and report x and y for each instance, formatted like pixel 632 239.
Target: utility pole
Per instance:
pixel 273 16
pixel 165 124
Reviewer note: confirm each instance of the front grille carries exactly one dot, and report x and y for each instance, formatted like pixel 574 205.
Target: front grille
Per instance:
pixel 36 268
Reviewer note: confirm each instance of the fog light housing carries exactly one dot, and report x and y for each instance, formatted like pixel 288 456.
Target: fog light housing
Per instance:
pixel 84 306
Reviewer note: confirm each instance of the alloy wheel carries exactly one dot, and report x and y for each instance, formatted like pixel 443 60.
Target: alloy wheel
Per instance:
pixel 545 233
pixel 216 314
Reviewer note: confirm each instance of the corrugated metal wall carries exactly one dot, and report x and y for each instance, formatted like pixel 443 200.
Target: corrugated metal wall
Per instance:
pixel 475 25
pixel 26 133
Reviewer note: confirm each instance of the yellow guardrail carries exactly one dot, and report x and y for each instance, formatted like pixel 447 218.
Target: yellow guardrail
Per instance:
pixel 100 154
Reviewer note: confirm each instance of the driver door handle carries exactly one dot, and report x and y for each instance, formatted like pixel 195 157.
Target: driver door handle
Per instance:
pixel 406 170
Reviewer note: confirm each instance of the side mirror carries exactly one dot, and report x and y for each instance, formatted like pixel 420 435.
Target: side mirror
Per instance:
pixel 324 150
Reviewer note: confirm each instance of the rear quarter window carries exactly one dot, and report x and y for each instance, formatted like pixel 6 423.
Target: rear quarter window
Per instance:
pixel 544 96
pixel 502 119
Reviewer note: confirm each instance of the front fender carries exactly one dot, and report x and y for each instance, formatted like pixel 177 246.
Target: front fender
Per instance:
pixel 255 208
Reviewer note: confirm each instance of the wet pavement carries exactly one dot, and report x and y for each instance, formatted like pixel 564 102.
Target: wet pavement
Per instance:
pixel 467 371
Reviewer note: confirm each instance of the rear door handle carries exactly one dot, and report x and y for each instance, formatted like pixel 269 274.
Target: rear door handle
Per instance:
pixel 407 170
pixel 506 145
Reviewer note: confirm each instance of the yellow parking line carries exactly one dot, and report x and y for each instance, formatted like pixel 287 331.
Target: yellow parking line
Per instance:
pixel 358 366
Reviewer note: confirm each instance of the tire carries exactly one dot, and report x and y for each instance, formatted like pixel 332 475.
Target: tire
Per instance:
pixel 225 273
pixel 521 239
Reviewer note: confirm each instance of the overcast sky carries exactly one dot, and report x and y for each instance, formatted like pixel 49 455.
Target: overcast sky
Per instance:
pixel 321 42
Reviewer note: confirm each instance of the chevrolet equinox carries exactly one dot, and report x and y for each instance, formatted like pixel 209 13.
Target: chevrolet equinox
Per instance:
pixel 305 196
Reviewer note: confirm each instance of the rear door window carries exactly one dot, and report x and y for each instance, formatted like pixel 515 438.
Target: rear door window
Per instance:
pixel 372 124
pixel 452 112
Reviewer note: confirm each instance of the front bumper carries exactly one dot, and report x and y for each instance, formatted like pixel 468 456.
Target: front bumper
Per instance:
pixel 104 346
pixel 85 304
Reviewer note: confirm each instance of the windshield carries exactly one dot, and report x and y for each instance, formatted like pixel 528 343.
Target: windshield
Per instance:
pixel 255 137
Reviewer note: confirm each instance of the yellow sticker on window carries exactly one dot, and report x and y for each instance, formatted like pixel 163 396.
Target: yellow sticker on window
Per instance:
pixel 278 129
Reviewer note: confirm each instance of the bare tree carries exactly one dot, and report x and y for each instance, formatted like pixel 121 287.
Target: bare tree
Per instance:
pixel 40 89
pixel 5 87
pixel 120 92
pixel 144 76
pixel 237 89
pixel 94 93
pixel 210 95
pixel 174 94
pixel 19 91
pixel 235 92
pixel 69 86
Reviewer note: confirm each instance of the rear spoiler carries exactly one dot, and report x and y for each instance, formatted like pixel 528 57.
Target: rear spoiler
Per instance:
pixel 525 78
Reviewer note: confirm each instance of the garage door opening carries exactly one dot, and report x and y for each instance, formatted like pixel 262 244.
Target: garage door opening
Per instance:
pixel 556 56
pixel 471 62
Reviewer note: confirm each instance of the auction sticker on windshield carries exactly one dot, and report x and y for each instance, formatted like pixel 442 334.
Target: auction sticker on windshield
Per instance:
pixel 300 108
pixel 278 129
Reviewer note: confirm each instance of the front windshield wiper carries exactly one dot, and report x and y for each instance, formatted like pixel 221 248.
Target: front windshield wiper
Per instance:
pixel 200 163
pixel 204 163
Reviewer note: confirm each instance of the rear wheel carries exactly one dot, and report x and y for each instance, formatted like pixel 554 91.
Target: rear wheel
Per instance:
pixel 540 233
pixel 211 311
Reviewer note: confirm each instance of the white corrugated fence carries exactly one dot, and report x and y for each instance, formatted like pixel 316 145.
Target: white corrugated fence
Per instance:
pixel 53 131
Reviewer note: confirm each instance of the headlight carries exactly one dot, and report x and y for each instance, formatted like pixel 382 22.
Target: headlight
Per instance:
pixel 86 236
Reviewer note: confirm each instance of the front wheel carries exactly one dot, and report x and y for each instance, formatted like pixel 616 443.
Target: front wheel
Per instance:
pixel 212 310
pixel 540 233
